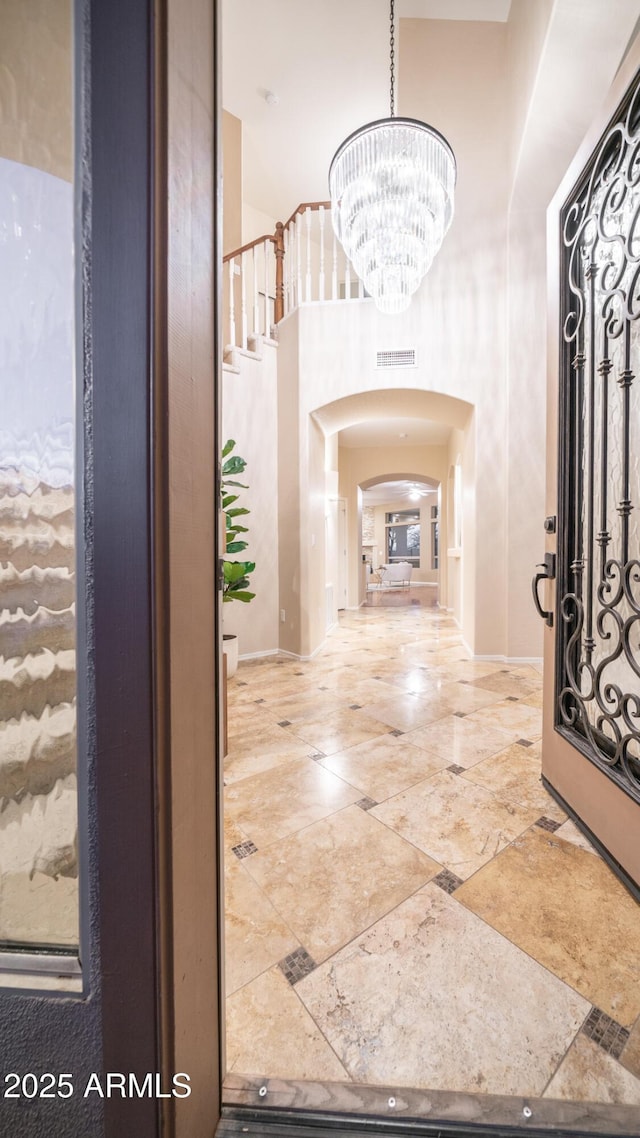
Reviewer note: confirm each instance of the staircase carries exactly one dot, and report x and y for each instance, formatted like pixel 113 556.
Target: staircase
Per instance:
pixel 267 279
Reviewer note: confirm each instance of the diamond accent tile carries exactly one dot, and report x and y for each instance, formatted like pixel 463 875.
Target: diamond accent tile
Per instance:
pixel 447 880
pixel 455 769
pixel 284 723
pixel 548 824
pixel 355 706
pixel 460 714
pixel 606 1032
pixel 512 698
pixel 245 849
pixel 366 803
pixel 524 742
pixel 297 965
pixel 396 733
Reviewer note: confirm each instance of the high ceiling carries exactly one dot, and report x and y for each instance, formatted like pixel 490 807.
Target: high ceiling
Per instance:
pixel 395 433
pixel 328 66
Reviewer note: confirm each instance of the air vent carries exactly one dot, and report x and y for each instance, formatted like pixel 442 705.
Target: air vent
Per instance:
pixel 404 357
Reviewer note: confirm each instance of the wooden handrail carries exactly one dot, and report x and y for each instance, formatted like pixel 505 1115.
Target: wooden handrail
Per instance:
pixel 249 245
pixel 304 206
pixel 274 236
pixel 278 240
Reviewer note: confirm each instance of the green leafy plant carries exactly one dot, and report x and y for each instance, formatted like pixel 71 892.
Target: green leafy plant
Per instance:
pixel 235 573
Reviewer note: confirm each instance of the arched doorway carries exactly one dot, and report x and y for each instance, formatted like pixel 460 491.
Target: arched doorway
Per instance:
pixel 399 540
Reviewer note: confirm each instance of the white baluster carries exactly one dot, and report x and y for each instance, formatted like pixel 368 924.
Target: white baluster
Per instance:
pixel 347 279
pixel 360 289
pixel 267 322
pixel 321 277
pixel 334 269
pixel 243 296
pixel 298 260
pixel 256 298
pixel 287 272
pixel 232 302
pixel 307 217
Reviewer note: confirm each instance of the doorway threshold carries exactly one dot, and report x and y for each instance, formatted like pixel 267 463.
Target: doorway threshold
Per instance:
pixel 278 1107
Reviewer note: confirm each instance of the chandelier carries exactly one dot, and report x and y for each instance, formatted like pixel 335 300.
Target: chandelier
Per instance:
pixel 391 185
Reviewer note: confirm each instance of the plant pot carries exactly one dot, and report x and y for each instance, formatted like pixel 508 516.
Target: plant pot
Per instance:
pixel 230 649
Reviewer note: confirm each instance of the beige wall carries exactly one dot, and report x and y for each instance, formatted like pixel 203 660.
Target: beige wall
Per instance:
pixel 313 539
pixel 526 29
pixel 457 78
pixel 231 183
pixel 36 84
pixel 460 553
pixel 289 492
pixel 250 416
pixel 255 223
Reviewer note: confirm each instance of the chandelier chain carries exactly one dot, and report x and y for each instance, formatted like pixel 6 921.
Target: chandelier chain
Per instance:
pixel 392 185
pixel 392 54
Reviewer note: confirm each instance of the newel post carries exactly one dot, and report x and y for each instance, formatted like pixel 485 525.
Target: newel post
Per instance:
pixel 279 304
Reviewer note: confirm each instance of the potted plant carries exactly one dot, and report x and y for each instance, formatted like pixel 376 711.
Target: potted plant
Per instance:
pixel 235 574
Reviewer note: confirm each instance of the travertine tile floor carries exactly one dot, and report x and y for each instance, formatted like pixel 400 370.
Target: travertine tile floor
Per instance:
pixel 406 905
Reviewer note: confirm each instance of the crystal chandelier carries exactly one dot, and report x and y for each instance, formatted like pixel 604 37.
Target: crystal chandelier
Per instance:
pixel 391 185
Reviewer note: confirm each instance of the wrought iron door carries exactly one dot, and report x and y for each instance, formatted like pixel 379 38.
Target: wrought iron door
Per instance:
pixel 597 665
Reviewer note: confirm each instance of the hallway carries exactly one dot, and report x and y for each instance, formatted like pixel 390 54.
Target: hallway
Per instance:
pixel 405 903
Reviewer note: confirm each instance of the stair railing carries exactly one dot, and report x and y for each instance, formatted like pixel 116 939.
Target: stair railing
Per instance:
pixel 266 279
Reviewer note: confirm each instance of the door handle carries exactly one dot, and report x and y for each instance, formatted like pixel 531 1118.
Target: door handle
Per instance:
pixel 548 572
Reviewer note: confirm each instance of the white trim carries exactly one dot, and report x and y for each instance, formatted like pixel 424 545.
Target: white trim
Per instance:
pixel 295 656
pixel 505 659
pixel 259 655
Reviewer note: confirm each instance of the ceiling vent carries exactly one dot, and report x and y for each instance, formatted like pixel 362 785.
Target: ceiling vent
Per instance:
pixel 402 357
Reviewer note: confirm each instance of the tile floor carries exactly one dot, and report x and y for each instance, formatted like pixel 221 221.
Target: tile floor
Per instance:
pixel 406 905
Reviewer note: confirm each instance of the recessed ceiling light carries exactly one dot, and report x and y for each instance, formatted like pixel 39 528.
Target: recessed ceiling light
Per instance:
pixel 271 99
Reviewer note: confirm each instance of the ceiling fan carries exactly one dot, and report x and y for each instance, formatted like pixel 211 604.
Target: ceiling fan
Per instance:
pixel 415 493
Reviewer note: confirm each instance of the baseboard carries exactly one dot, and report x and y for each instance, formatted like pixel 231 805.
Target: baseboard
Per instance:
pixel 259 655
pixel 503 659
pixel 296 656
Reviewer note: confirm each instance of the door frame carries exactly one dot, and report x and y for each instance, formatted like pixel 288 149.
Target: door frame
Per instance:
pixel 147 255
pixel 277 1108
pixel 600 808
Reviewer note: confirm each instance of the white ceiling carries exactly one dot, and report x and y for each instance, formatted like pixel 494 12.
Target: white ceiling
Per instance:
pixel 388 432
pixel 398 491
pixel 328 64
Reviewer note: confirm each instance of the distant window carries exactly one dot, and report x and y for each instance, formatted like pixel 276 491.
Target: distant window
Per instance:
pixel 403 537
